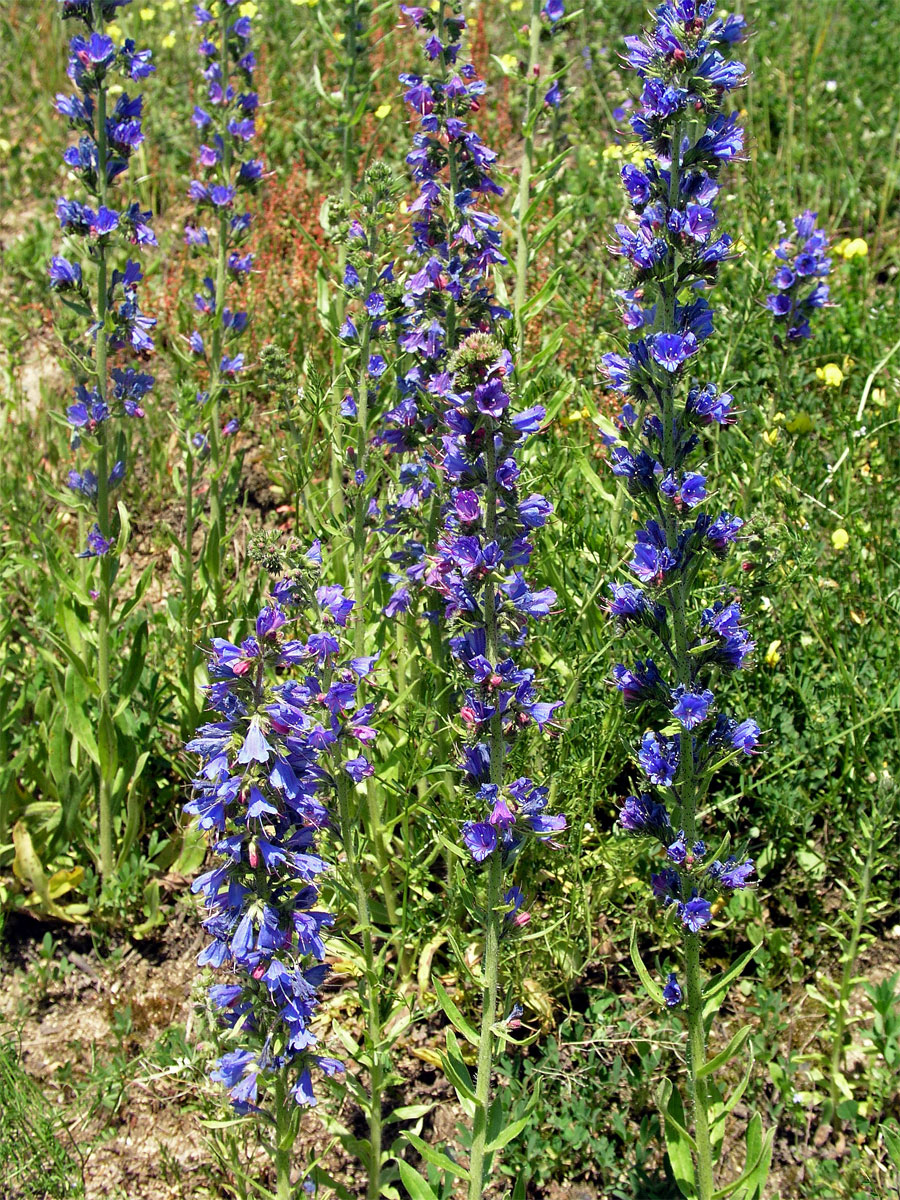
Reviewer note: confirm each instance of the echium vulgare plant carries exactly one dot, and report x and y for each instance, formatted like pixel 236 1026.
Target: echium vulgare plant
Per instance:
pixel 798 283
pixel 674 252
pixel 99 281
pixel 446 295
pixel 226 121
pixel 287 739
pixel 477 561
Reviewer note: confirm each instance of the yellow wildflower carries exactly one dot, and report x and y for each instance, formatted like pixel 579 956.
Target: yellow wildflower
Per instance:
pixel 508 62
pixel 840 539
pixel 857 248
pixel 831 375
pixel 382 111
pixel 773 654
pixel 147 14
pixel 248 9
pixel 169 41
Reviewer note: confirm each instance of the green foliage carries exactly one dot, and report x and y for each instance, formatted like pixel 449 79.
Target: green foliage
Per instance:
pixel 39 1160
pixel 808 461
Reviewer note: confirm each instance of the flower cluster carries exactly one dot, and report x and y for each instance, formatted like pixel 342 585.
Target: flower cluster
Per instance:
pixel 674 251
pixel 290 722
pixel 464 379
pixel 798 283
pixel 446 296
pixel 95 230
pixel 227 173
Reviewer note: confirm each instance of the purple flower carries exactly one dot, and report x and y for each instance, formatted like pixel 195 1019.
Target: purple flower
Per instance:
pixel 691 708
pixel 672 991
pixel 480 838
pixel 64 276
pixel 695 914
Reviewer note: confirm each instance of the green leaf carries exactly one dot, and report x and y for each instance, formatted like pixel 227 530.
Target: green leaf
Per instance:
pixel 138 594
pixel 417 1187
pixel 107 745
pixel 457 1020
pixel 410 1112
pixel 542 297
pixel 508 1134
pixel 550 228
pixel 758 1160
pixel 458 1073
pixel 646 979
pixel 76 719
pixel 124 529
pixel 436 1157
pixel 679 1143
pixel 592 479
pixel 718 985
pixel 134 668
pixel 891 1135
pixel 724 1056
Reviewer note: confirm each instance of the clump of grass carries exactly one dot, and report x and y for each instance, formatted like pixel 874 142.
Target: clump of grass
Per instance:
pixel 37 1156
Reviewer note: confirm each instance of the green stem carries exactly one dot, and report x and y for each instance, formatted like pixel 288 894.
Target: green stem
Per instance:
pixel 526 169
pixel 697 1059
pixel 286 1128
pixel 104 521
pixel 373 1010
pixel 490 986
pixel 217 497
pixel 686 781
pixel 374 815
pixel 490 967
pixel 191 713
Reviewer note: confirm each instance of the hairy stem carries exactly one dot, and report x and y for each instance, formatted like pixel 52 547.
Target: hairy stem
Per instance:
pixel 686 781
pixel 104 519
pixel 191 715
pixel 490 966
pixel 217 498
pixel 372 1006
pixel 374 816
pixel 285 1134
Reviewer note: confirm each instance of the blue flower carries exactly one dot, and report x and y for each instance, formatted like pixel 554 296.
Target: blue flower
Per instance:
pixel 695 914
pixel 672 991
pixel 675 249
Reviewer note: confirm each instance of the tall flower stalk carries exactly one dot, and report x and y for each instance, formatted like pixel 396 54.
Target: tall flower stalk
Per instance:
pixel 227 174
pixel 101 285
pixel 674 251
pixel 369 305
pixel 368 282
pixel 464 377
pixel 799 287
pixel 286 738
